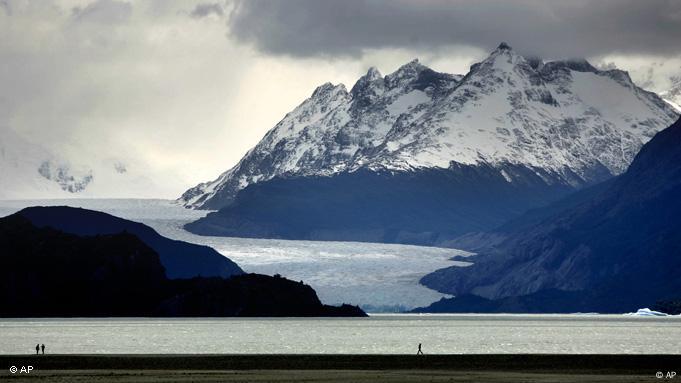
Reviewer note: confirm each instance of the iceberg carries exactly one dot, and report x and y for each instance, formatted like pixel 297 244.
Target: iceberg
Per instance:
pixel 647 313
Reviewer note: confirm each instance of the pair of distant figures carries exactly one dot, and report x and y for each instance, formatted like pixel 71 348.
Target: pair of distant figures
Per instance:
pixel 39 347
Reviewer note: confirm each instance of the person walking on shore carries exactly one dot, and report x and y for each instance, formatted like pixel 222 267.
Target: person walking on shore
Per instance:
pixel 37 349
pixel 43 348
pixel 419 352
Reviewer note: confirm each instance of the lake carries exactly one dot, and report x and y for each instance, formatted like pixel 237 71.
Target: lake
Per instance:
pixel 379 334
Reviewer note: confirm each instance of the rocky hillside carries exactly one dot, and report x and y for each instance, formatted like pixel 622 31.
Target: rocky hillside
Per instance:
pixel 616 248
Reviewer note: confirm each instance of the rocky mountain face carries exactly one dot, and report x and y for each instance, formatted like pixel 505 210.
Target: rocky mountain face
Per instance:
pixel 45 272
pixel 564 120
pixel 421 157
pixel 614 248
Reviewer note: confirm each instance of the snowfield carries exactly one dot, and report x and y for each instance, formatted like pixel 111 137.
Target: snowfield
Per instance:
pixel 378 277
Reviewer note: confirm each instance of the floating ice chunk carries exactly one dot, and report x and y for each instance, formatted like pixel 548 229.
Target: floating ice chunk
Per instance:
pixel 647 313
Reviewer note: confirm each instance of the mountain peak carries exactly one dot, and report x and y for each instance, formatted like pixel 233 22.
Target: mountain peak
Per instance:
pixel 373 74
pixel 413 66
pixel 503 58
pixel 406 73
pixel 364 82
pixel 503 46
pixel 326 89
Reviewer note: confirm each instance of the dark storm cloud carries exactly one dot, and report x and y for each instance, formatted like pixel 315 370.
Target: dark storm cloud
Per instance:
pixel 309 28
pixel 103 12
pixel 205 9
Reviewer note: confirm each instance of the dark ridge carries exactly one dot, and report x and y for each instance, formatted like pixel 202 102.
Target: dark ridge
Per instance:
pixel 45 272
pixel 180 259
pixel 424 207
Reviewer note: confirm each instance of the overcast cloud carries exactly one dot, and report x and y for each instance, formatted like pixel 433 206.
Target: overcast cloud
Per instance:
pixel 548 28
pixel 185 88
pixel 207 9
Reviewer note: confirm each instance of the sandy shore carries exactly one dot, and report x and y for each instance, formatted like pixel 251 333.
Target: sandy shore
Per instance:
pixel 339 368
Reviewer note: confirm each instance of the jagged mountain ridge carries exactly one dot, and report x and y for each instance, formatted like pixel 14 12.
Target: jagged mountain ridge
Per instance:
pixel 565 120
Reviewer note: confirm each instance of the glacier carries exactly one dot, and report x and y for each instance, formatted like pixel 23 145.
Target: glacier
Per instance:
pixel 378 277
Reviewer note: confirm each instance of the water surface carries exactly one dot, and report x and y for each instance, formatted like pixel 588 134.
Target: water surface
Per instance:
pixel 379 334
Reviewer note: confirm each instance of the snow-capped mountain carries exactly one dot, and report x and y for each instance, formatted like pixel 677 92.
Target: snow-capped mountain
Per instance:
pixel 673 93
pixel 31 171
pixel 566 121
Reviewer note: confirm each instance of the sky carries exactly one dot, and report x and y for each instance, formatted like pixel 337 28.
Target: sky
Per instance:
pixel 185 88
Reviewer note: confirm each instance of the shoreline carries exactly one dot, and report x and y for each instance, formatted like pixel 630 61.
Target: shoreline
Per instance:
pixel 566 363
pixel 340 368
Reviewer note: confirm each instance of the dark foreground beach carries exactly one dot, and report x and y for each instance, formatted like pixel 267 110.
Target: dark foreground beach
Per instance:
pixel 339 368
